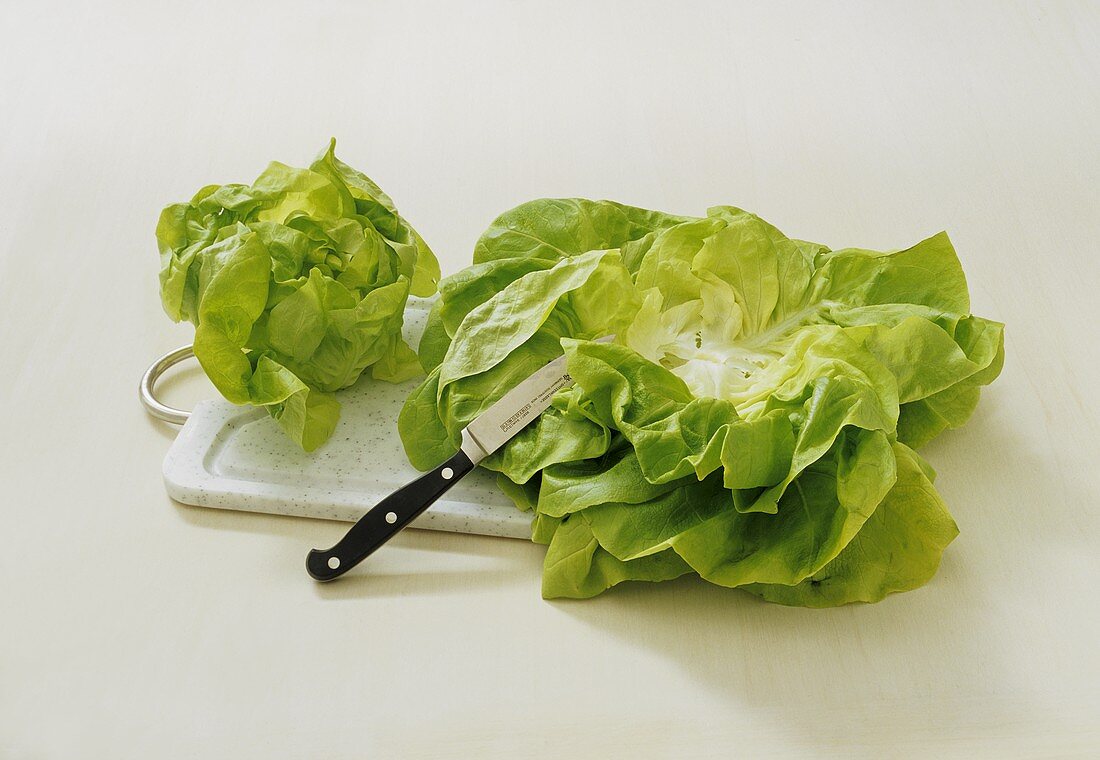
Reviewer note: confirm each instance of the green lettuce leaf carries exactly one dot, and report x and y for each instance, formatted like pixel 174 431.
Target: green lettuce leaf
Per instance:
pixel 296 285
pixel 897 549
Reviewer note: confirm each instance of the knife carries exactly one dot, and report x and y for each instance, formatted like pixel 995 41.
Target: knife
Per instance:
pixel 492 429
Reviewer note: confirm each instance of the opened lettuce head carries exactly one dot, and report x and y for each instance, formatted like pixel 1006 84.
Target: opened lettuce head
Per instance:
pixel 296 285
pixel 753 423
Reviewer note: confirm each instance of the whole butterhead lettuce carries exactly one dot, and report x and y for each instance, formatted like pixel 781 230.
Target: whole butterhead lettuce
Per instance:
pixel 296 285
pixel 754 421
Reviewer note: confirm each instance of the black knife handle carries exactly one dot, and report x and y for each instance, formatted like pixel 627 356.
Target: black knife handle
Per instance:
pixel 385 519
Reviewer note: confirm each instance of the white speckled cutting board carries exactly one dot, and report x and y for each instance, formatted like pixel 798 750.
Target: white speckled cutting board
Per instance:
pixel 234 457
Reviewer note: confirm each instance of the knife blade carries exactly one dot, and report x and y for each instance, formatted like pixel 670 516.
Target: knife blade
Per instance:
pixel 492 429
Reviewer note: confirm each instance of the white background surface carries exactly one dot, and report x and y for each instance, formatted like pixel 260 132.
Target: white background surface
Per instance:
pixel 134 627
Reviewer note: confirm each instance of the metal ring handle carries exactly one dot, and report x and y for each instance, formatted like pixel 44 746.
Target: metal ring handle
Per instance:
pixel 149 379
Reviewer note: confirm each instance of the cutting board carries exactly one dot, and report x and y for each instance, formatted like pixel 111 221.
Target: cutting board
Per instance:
pixel 233 457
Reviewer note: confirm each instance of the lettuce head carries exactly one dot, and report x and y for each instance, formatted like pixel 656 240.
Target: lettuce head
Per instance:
pixel 754 422
pixel 296 285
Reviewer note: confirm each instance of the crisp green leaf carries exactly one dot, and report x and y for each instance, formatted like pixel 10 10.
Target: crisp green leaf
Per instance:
pixel 577 567
pixel 434 341
pixel 897 549
pixel 552 229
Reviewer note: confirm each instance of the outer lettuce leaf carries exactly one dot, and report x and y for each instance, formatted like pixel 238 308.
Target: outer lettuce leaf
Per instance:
pixel 898 548
pixel 749 422
pixel 434 341
pixel 296 285
pixel 552 229
pixel 578 567
pixel 923 419
pixel 424 434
